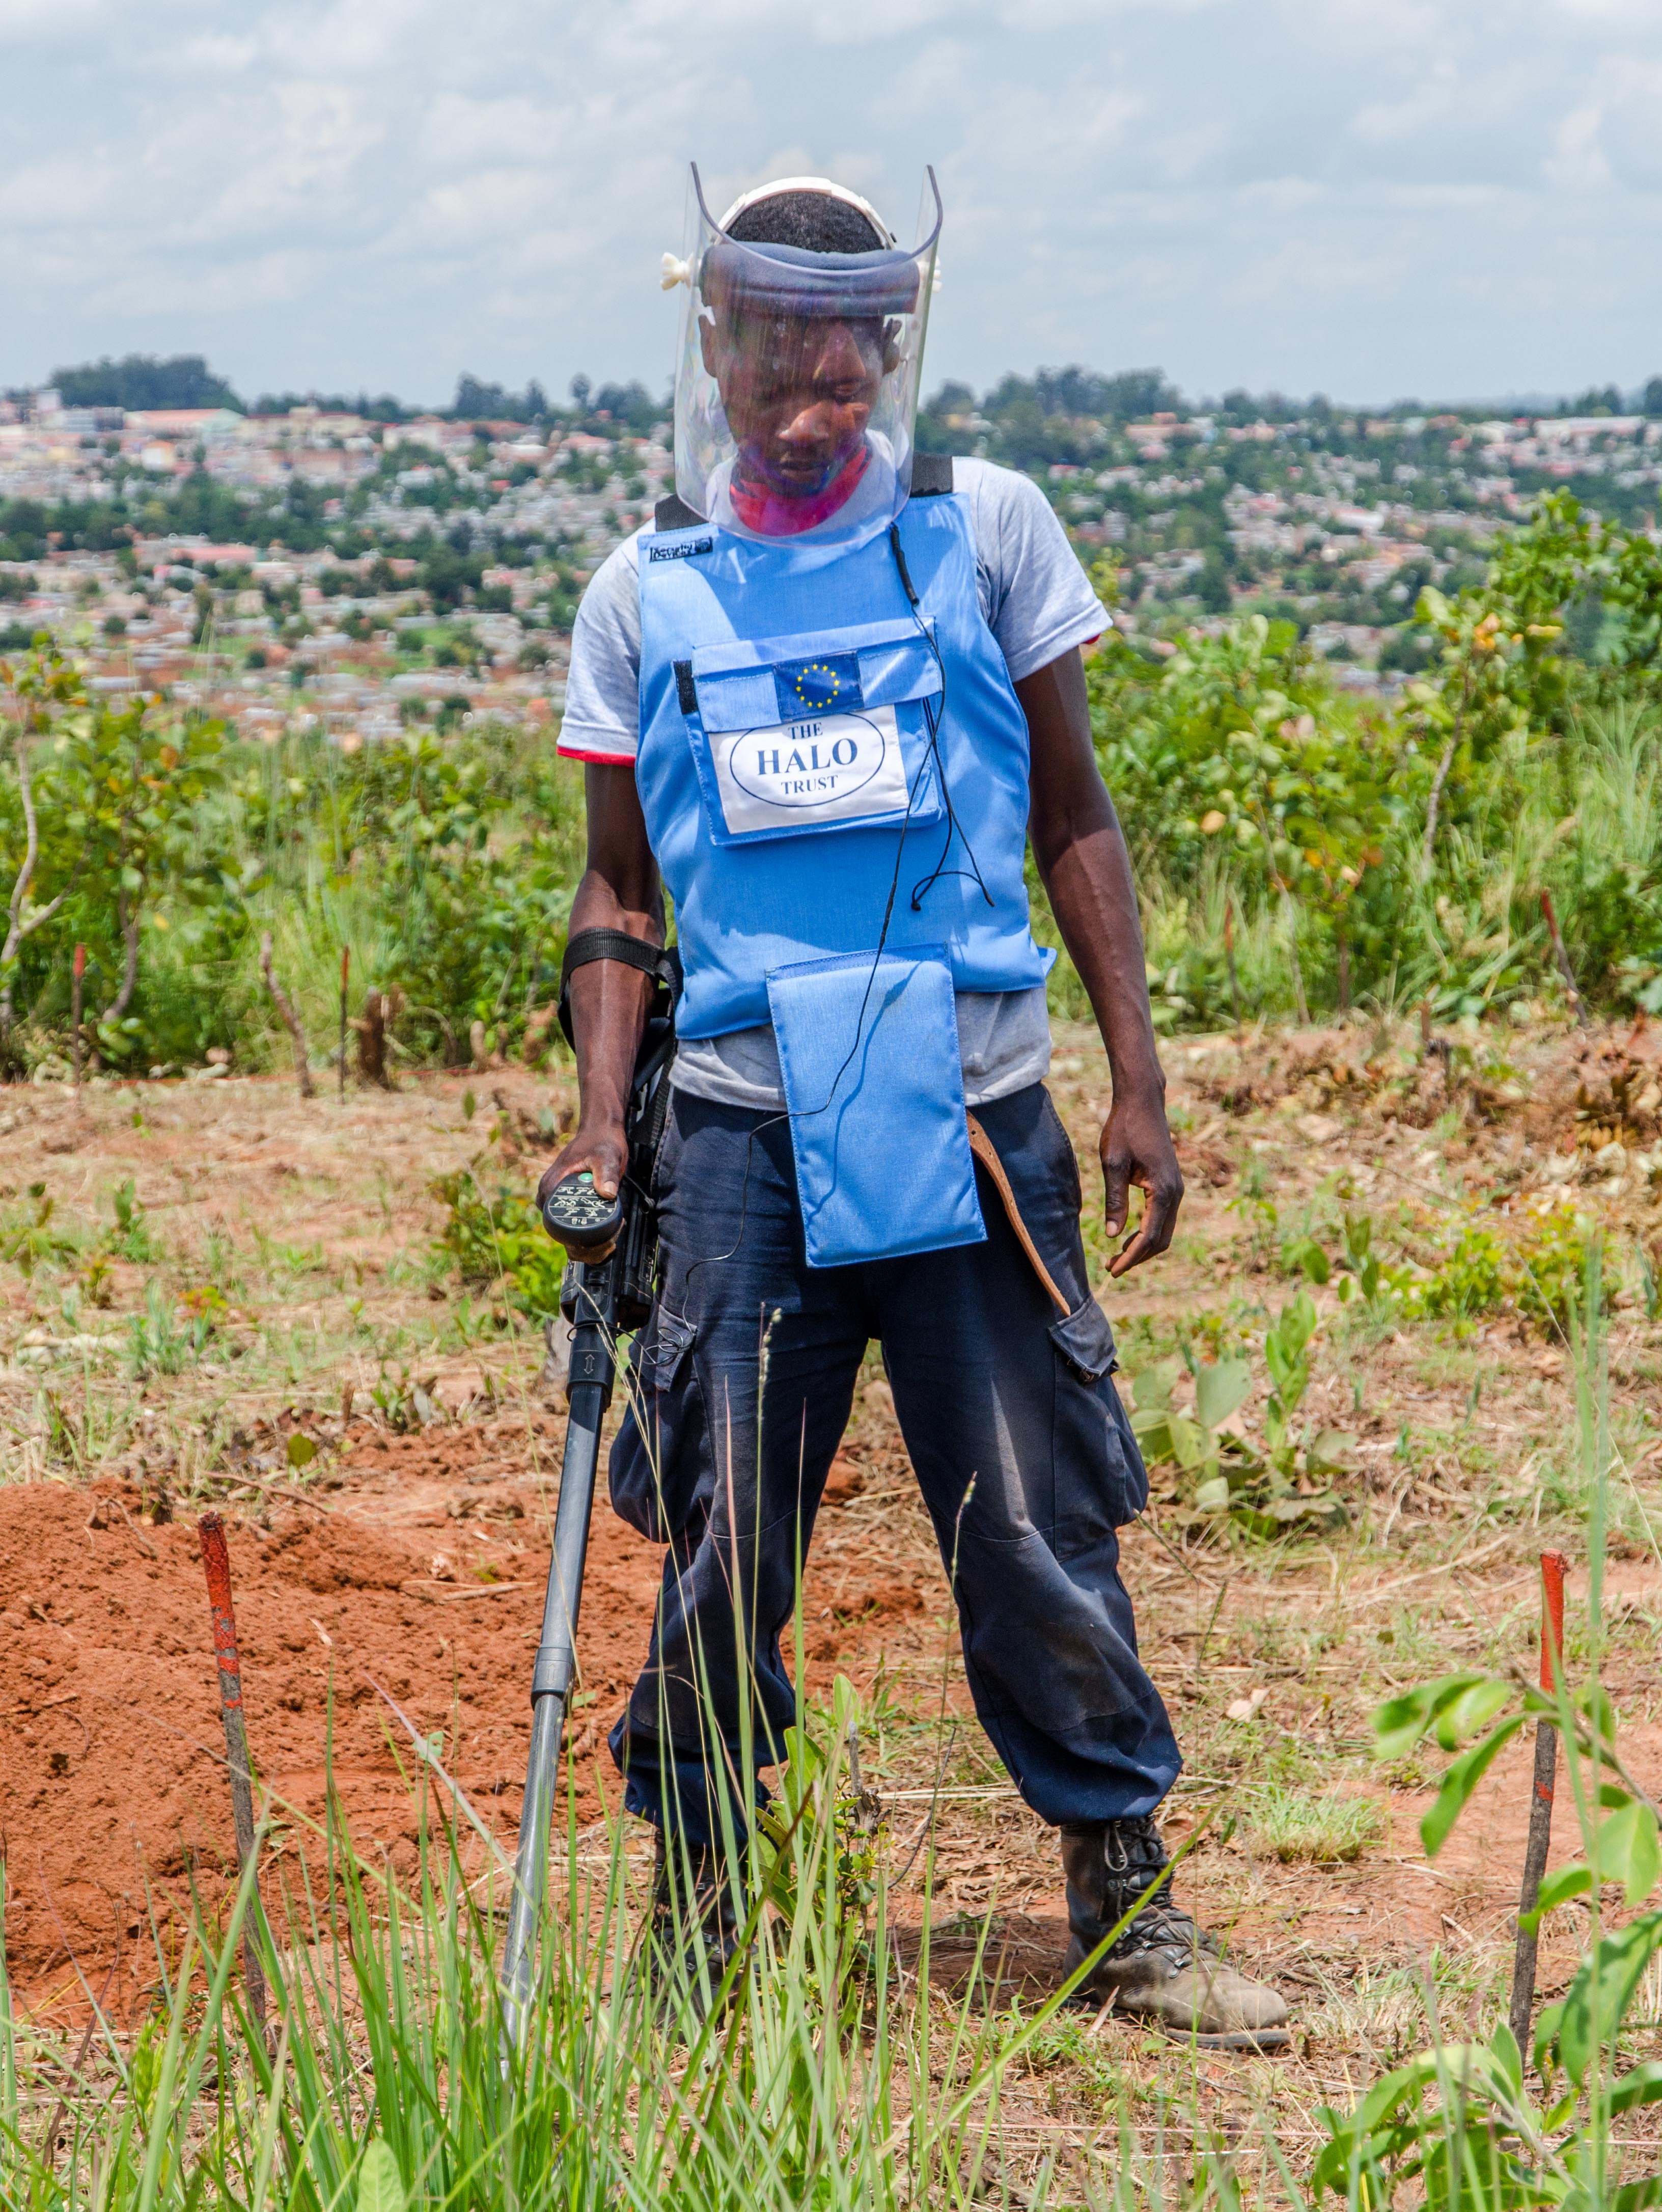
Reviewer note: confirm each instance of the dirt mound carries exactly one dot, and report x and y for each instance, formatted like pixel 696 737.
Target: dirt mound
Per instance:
pixel 113 1800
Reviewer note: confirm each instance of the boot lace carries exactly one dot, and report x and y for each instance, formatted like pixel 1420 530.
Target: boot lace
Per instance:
pixel 1136 1859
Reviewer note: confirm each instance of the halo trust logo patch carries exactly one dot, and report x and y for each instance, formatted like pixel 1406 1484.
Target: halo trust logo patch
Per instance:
pixel 821 768
pixel 805 763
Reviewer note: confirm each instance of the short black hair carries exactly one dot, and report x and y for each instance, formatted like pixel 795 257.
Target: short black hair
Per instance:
pixel 812 221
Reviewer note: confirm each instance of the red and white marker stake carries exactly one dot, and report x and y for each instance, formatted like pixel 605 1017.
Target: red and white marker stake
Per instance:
pixel 1554 1566
pixel 216 1559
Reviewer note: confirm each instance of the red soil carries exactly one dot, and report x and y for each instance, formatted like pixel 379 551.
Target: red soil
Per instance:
pixel 113 1795
pixel 114 1803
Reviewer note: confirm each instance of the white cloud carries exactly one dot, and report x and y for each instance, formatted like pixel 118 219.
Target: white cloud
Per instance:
pixel 1388 122
pixel 1578 159
pixel 1367 196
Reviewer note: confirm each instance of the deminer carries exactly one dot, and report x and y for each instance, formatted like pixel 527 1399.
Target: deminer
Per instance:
pixel 827 701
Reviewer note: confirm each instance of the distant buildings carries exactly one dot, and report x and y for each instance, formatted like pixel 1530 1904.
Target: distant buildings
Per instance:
pixel 350 642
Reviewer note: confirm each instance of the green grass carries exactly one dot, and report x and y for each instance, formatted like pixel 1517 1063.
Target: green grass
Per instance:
pixel 1323 1829
pixel 830 2078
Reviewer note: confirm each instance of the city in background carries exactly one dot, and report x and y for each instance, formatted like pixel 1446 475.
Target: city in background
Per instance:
pixel 353 566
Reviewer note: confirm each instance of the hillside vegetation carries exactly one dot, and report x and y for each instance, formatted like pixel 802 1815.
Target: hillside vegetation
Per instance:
pixel 1301 848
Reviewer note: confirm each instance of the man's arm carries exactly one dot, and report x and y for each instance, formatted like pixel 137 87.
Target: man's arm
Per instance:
pixel 1081 853
pixel 620 889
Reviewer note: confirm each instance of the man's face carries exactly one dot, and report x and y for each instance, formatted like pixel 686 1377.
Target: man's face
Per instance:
pixel 797 392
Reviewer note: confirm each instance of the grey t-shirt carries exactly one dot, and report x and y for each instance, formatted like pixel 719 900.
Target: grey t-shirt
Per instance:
pixel 1038 604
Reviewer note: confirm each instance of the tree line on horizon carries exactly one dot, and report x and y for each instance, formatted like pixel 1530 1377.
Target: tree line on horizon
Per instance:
pixel 1026 411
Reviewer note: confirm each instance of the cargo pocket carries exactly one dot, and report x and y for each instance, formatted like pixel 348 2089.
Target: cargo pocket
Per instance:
pixel 1100 1480
pixel 660 1462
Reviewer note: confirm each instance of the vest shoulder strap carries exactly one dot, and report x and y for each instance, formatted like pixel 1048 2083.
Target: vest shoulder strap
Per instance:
pixel 932 475
pixel 672 513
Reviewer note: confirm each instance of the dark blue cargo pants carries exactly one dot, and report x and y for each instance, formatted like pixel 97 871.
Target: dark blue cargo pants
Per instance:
pixel 1023 1453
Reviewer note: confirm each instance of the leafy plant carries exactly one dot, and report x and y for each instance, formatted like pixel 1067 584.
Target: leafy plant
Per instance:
pixel 1481 1272
pixel 497 1236
pixel 1301 1461
pixel 1194 1442
pixel 405 1402
pixel 30 1235
pixel 43 686
pixel 131 1238
pixel 1266 1490
pixel 1361 1262
pixel 1456 2127
pixel 1253 1205
pixel 158 1343
pixel 1457 2123
pixel 1551 1264
pixel 824 1820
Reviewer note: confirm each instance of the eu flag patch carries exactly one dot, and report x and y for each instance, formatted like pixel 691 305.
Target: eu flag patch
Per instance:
pixel 830 685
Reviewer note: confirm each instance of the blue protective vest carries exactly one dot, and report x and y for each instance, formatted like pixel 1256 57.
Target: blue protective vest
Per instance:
pixel 801 766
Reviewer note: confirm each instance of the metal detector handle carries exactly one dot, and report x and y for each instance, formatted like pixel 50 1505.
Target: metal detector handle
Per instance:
pixel 593 1369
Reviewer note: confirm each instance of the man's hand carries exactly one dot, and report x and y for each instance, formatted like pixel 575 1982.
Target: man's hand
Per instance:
pixel 602 1149
pixel 1136 1148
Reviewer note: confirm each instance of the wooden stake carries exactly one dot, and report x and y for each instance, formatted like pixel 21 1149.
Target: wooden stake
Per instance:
pixel 346 970
pixel 77 978
pixel 1562 956
pixel 216 1561
pixel 1553 1567
pixel 372 1039
pixel 291 1020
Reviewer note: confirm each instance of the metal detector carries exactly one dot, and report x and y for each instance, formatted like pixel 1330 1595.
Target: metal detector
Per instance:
pixel 602 1299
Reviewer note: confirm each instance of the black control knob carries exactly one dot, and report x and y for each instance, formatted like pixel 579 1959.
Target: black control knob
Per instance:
pixel 580 1217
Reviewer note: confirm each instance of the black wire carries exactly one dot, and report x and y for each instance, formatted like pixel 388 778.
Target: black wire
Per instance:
pixel 933 712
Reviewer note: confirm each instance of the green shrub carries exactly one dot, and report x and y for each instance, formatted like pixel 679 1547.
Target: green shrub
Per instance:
pixel 1472 1278
pixel 1551 1264
pixel 496 1237
pixel 28 1234
pixel 1482 1272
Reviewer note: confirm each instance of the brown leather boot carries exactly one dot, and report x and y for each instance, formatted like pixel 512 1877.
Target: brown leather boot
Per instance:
pixel 1162 1967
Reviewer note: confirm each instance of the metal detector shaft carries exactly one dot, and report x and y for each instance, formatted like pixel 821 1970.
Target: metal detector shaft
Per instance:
pixel 600 1298
pixel 593 1368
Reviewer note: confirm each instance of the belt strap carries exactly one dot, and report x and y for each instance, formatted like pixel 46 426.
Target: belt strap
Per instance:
pixel 982 1145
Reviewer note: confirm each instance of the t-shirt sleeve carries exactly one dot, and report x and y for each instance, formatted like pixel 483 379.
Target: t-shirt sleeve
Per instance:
pixel 601 718
pixel 1041 603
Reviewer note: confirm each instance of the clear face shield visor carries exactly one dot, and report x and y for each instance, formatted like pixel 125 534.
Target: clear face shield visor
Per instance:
pixel 797 390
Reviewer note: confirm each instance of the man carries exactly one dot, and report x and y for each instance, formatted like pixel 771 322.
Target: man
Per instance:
pixel 827 700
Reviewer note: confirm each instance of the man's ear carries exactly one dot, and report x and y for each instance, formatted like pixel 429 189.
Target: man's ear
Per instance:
pixel 891 352
pixel 706 339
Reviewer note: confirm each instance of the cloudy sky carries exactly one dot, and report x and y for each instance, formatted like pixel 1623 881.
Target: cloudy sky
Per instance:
pixel 1376 199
